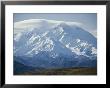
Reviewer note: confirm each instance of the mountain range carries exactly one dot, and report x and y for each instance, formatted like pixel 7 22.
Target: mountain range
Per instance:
pixel 41 43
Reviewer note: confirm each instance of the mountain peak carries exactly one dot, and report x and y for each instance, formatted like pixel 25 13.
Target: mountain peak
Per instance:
pixel 53 40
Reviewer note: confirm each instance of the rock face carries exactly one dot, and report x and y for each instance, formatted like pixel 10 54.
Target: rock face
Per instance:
pixel 54 44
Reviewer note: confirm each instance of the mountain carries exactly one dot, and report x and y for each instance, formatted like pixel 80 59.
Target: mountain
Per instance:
pixel 54 44
pixel 19 68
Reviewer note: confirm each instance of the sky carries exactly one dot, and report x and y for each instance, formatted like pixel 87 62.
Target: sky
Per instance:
pixel 89 20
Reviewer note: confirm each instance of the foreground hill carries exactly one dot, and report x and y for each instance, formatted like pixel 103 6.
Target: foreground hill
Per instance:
pixel 66 71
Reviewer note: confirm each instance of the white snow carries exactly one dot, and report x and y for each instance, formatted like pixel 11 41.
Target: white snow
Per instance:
pixel 94 50
pixel 68 45
pixel 83 44
pixel 18 36
pixel 33 38
pixel 77 40
pixel 53 54
pixel 36 22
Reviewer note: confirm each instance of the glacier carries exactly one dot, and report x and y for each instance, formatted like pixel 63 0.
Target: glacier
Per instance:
pixel 53 44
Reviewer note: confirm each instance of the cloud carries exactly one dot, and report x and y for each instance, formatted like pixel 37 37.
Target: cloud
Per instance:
pixel 36 22
pixel 22 25
pixel 94 32
pixel 39 23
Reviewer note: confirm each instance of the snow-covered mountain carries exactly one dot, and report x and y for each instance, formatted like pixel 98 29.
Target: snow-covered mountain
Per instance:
pixel 50 44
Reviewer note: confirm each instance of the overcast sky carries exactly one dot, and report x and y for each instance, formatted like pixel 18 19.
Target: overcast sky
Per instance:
pixel 89 20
